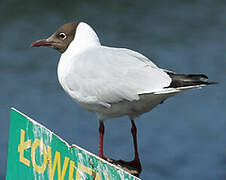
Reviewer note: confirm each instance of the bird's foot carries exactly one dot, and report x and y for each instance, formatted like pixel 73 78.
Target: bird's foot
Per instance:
pixel 101 155
pixel 132 167
pixel 135 164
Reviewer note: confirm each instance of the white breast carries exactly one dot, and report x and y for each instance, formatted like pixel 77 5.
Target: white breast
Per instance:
pixel 85 37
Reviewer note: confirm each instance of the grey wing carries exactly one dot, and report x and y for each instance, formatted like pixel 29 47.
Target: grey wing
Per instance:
pixel 107 75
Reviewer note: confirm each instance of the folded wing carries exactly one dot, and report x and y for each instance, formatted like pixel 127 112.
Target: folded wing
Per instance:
pixel 109 75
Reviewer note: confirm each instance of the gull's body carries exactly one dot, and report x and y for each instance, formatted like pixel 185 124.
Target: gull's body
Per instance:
pixel 112 86
pixel 112 82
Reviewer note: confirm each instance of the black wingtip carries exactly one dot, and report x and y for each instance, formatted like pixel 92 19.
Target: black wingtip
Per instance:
pixel 211 82
pixel 183 80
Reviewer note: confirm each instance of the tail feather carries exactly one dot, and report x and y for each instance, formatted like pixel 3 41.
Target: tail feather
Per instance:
pixel 184 80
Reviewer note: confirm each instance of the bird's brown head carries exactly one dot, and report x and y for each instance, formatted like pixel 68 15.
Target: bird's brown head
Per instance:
pixel 61 39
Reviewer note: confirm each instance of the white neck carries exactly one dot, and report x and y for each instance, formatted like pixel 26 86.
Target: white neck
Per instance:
pixel 85 37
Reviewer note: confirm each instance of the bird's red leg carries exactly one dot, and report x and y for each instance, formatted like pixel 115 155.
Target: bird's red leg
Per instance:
pixel 136 161
pixel 134 133
pixel 101 138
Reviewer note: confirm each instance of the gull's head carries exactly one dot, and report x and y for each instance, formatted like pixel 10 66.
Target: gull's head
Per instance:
pixel 78 32
pixel 61 39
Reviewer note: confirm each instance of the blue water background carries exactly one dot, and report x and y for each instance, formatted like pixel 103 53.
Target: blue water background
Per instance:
pixel 184 138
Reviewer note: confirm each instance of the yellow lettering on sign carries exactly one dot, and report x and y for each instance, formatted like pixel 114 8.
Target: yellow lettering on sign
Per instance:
pixel 71 170
pixel 22 147
pixel 46 156
pixel 56 162
pixel 82 168
pixel 36 143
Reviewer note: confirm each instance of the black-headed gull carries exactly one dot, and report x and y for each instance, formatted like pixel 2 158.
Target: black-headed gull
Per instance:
pixel 112 82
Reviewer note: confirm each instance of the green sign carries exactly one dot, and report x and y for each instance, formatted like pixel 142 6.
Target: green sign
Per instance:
pixel 37 153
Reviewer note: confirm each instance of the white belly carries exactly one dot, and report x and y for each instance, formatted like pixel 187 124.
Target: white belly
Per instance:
pixel 131 109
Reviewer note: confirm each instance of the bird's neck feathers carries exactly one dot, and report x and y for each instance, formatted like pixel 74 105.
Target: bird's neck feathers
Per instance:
pixel 85 37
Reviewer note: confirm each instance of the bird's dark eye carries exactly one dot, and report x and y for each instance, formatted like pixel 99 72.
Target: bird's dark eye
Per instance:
pixel 63 36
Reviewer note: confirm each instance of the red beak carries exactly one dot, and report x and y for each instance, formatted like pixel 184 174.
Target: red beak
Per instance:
pixel 41 42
